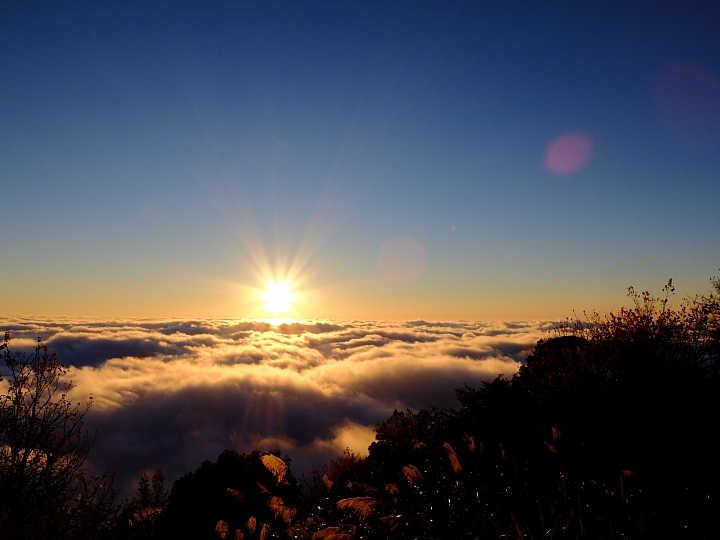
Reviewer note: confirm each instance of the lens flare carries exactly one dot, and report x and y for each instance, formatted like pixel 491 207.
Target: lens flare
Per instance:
pixel 402 259
pixel 278 297
pixel 568 153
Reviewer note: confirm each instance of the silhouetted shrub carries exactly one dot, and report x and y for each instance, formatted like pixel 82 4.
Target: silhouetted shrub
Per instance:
pixel 44 490
pixel 239 492
pixel 603 433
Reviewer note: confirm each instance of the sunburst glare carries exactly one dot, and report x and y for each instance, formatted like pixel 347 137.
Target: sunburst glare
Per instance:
pixel 278 297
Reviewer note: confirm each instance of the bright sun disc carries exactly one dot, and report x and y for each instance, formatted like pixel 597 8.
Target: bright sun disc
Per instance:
pixel 278 297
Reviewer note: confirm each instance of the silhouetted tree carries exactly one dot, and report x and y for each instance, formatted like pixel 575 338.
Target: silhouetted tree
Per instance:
pixel 160 493
pixel 142 516
pixel 44 489
pixel 143 494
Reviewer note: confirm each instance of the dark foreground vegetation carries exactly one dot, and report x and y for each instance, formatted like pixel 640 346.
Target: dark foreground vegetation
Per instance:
pixel 607 431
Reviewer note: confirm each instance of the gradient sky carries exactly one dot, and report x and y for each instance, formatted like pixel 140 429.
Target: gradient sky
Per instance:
pixel 167 159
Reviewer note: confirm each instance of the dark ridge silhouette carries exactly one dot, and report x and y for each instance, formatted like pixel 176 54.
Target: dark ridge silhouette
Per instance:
pixel 606 431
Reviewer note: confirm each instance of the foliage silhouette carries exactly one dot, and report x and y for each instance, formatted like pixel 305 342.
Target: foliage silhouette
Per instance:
pixel 44 490
pixel 246 492
pixel 602 433
pixel 142 516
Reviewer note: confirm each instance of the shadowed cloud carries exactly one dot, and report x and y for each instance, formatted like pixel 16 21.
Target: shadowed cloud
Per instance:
pixel 173 393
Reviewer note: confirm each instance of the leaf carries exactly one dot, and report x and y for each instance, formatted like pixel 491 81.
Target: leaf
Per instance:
pixel 361 487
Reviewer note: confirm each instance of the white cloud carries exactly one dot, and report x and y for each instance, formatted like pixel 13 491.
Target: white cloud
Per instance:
pixel 172 393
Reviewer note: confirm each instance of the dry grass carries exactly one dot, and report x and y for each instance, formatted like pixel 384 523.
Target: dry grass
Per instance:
pixel 144 515
pixel 392 489
pixel 252 525
pixel 362 506
pixel 343 532
pixel 328 483
pixel 221 529
pixel 275 465
pixel 419 446
pixel 452 456
pixel 275 504
pixel 236 495
pixel 391 521
pixel 413 474
pixel 299 530
pixel 278 507
pixel 471 444
pixel 362 487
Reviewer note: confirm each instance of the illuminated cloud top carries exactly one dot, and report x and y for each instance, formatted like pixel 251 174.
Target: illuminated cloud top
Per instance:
pixel 174 393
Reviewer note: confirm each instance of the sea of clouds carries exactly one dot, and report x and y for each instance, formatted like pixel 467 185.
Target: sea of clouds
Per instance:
pixel 173 393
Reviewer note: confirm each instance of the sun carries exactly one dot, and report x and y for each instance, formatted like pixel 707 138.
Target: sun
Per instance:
pixel 278 297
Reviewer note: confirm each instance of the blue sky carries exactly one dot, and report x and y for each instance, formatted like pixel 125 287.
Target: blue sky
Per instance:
pixel 169 158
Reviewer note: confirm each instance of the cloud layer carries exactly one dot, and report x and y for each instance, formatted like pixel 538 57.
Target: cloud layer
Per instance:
pixel 173 393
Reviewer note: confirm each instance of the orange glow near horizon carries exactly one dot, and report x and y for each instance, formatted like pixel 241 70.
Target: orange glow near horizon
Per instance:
pixel 278 297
